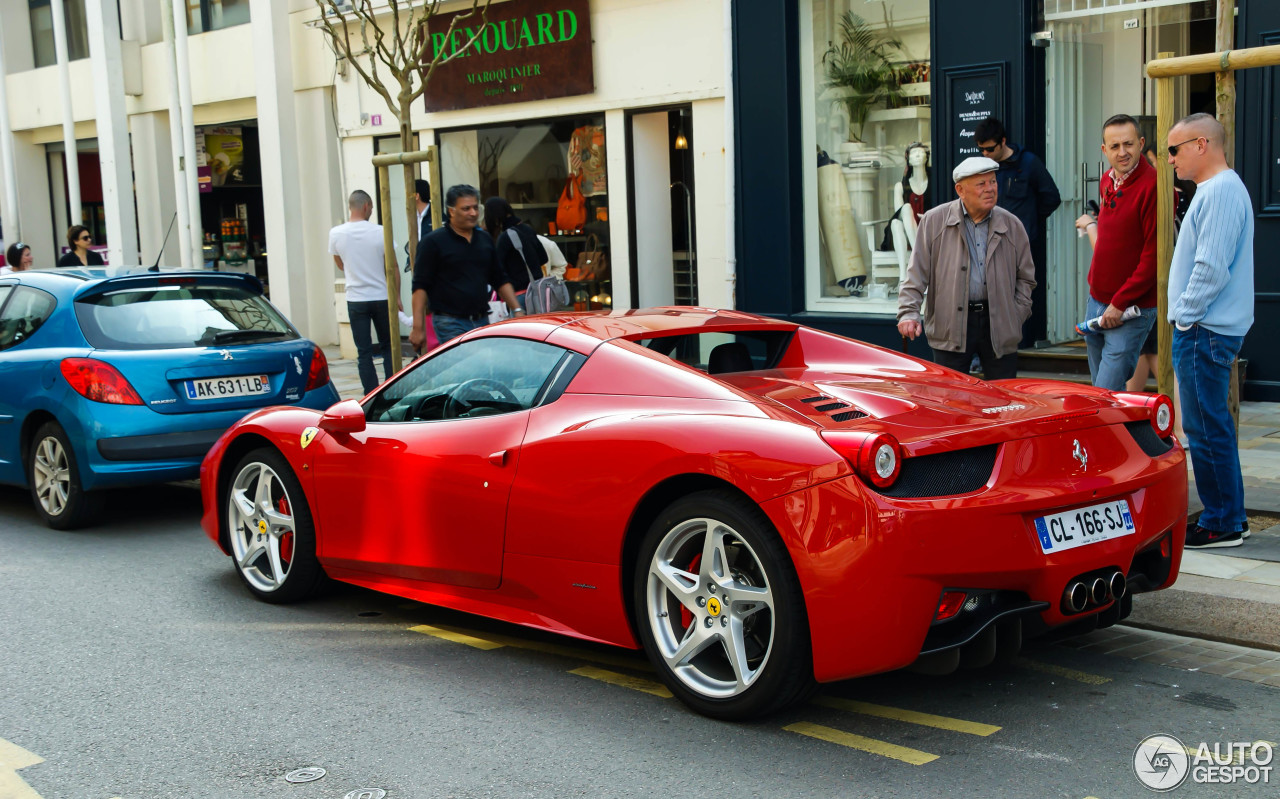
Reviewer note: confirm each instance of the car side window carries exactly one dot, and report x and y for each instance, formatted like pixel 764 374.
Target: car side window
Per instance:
pixel 24 311
pixel 481 377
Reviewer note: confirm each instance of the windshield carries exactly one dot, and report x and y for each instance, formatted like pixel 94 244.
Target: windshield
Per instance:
pixel 166 317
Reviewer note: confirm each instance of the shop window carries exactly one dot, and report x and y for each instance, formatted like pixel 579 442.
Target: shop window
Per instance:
pixel 553 173
pixel 866 90
pixel 212 15
pixel 41 12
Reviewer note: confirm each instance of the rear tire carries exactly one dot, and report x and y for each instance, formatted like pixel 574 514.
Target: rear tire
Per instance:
pixel 54 478
pixel 719 608
pixel 269 529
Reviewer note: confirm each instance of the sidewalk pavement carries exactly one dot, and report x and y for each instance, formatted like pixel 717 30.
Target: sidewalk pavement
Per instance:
pixel 1226 595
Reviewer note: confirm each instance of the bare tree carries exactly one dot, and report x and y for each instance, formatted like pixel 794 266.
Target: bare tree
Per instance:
pixel 401 47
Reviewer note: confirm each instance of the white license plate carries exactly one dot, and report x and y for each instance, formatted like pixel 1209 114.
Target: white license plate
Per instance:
pixel 220 387
pixel 1076 528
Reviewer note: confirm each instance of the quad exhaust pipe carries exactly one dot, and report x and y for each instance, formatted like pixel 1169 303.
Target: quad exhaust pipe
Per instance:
pixel 1085 592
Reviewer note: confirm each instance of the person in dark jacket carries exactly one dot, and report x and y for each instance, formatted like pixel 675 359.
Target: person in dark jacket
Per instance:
pixel 79 239
pixel 520 269
pixel 1026 188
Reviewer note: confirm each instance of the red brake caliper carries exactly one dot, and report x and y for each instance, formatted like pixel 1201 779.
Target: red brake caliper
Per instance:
pixel 286 540
pixel 686 618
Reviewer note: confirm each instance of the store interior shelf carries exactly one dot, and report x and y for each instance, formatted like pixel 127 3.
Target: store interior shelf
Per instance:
pixel 892 114
pixel 526 206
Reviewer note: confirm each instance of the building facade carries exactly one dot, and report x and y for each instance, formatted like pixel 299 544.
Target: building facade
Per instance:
pixel 284 130
pixel 821 180
pixel 732 162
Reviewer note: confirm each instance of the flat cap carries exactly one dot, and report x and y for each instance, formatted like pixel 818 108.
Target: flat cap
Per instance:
pixel 973 165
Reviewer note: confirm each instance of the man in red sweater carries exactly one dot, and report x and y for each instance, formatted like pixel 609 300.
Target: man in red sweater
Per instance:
pixel 1123 270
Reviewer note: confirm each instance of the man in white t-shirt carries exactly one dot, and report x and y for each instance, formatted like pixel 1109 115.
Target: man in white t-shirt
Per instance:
pixel 357 249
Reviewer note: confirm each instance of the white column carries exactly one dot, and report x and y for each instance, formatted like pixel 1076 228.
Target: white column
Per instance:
pixel 113 132
pixel 154 186
pixel 277 131
pixel 195 233
pixel 183 212
pixel 9 211
pixel 322 205
pixel 68 120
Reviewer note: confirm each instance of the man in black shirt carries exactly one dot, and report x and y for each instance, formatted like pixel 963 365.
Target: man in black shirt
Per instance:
pixel 455 266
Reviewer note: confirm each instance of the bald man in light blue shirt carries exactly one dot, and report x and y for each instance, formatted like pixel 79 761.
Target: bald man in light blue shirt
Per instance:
pixel 1211 308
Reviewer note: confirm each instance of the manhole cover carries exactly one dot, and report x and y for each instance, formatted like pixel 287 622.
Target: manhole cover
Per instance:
pixel 366 793
pixel 308 774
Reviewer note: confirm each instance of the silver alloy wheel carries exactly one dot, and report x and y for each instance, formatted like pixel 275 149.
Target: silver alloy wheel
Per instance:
pixel 52 475
pixel 261 525
pixel 704 569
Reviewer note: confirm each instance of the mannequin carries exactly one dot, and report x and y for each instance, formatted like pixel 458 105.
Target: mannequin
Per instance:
pixel 911 196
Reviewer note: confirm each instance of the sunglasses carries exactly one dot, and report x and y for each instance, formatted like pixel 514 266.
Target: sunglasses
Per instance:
pixel 1173 148
pixel 85 237
pixel 990 149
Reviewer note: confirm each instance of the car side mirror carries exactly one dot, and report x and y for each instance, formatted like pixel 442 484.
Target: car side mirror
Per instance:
pixel 345 417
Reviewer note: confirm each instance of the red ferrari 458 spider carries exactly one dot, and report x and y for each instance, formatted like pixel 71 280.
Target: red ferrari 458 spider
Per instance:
pixel 759 505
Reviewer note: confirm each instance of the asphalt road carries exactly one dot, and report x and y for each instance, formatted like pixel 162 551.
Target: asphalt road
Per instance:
pixel 134 664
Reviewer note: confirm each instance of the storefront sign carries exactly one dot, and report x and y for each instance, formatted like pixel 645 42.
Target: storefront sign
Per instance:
pixel 974 93
pixel 525 50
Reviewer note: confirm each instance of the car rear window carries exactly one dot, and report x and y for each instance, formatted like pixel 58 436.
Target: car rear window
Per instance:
pixel 722 352
pixel 165 317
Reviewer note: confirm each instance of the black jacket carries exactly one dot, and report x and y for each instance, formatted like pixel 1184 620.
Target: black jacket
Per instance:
pixel 1027 190
pixel 510 258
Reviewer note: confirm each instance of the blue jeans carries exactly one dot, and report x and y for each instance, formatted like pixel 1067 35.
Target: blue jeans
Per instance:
pixel 1114 353
pixel 450 327
pixel 363 315
pixel 1202 361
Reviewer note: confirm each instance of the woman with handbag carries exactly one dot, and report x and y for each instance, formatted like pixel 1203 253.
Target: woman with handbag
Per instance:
pixel 520 254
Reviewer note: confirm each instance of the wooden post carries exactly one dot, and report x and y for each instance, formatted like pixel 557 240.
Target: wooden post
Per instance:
pixel 389 263
pixel 382 162
pixel 1164 234
pixel 1225 81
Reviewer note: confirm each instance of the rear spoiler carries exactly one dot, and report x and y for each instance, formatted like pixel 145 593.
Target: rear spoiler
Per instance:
pixel 141 278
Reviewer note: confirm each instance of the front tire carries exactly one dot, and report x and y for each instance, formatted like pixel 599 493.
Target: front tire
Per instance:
pixel 719 608
pixel 54 477
pixel 269 528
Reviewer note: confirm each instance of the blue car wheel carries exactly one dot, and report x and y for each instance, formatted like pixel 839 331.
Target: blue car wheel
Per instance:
pixel 55 481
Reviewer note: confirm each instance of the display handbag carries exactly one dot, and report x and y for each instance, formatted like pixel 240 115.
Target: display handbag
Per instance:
pixel 593 263
pixel 571 211
pixel 497 308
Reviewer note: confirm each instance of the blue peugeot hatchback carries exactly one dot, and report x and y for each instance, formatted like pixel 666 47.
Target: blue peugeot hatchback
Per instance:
pixel 115 377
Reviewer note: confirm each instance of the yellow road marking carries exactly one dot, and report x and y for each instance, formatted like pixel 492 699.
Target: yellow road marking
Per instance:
pixel 632 663
pixel 456 637
pixel 909 716
pixel 623 680
pixel 12 758
pixel 1062 671
pixel 913 756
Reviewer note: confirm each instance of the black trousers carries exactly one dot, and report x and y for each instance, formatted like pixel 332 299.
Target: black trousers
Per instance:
pixel 978 341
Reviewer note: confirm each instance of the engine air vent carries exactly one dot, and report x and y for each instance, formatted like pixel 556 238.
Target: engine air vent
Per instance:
pixel 818 398
pixel 832 406
pixel 845 416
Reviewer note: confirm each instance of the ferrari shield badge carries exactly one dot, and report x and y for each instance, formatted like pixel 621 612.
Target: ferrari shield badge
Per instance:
pixel 308 436
pixel 713 606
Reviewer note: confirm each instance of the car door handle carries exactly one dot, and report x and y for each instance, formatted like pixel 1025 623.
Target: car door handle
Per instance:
pixel 499 458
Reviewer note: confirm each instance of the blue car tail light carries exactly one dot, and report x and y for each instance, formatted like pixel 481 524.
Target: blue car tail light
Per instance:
pixel 98 381
pixel 318 374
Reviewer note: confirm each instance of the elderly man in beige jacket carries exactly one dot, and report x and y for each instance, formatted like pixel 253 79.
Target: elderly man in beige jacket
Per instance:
pixel 974 260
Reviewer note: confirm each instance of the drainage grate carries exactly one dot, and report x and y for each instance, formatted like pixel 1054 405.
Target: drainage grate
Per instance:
pixel 309 774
